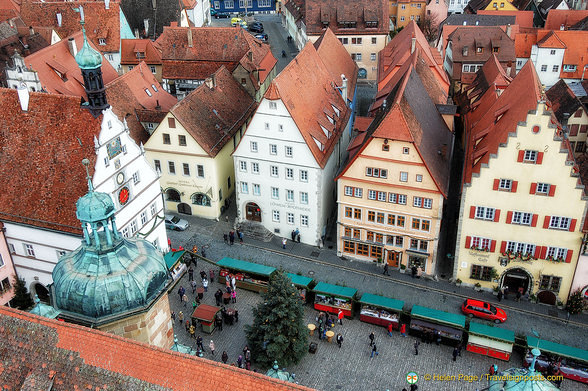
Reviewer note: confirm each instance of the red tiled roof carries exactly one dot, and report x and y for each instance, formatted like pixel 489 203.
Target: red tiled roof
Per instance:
pixel 568 18
pixel 9 9
pixel 339 11
pixel 522 18
pixel 213 115
pixel 307 87
pixel 550 40
pixel 362 123
pixel 100 22
pixel 575 53
pixel 72 357
pixel 44 147
pixel 130 47
pixel 524 43
pixel 57 59
pixel 491 75
pixel 127 94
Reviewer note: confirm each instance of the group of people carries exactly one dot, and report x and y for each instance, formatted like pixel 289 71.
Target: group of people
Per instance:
pixel 230 237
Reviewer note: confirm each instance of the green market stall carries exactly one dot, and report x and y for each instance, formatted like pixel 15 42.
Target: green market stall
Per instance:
pixel 425 320
pixel 380 310
pixel 332 298
pixel 302 283
pixel 490 341
pixel 173 261
pixel 248 275
pixel 572 362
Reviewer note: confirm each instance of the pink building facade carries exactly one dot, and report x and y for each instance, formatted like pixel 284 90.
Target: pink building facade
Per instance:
pixel 7 273
pixel 436 10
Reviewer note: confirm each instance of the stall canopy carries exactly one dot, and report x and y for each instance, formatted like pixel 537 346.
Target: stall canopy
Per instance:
pixel 560 350
pixel 335 290
pixel 247 267
pixel 492 332
pixel 173 257
pixel 382 302
pixel 437 316
pixel 299 280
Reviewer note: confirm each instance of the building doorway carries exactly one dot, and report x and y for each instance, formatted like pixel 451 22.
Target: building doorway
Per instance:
pixel 547 297
pixel 252 212
pixel 515 279
pixel 184 208
pixel 417 261
pixel 393 258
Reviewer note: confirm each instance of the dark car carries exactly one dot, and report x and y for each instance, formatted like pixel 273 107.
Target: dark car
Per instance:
pixel 222 15
pixel 256 27
pixel 483 310
pixel 262 37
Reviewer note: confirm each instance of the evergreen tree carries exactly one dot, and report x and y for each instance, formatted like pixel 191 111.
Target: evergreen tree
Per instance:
pixel 22 298
pixel 576 303
pixel 278 331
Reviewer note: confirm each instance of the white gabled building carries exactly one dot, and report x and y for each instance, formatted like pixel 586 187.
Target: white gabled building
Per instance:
pixel 286 163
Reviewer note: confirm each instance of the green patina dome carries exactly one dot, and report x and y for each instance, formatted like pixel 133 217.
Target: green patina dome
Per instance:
pixel 94 206
pixel 88 57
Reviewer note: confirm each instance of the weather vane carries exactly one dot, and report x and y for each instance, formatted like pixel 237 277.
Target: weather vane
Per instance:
pixel 80 9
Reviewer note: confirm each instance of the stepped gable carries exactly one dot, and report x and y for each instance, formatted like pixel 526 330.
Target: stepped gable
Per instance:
pixel 40 147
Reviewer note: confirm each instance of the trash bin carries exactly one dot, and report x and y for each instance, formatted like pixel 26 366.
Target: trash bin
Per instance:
pixel 311 327
pixel 312 348
pixel 329 335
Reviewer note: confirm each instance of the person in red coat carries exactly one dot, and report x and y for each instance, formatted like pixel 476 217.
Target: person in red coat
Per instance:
pixel 390 329
pixel 340 317
pixel 403 329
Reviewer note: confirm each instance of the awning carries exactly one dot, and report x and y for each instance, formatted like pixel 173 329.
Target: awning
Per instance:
pixel 560 350
pixel 490 343
pixel 457 333
pixel 437 316
pixel 173 257
pixel 418 253
pixel 492 332
pixel 335 290
pixel 247 267
pixel 382 302
pixel 300 281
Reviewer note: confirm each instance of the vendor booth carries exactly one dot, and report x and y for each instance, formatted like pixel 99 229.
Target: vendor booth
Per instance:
pixel 380 310
pixel 572 362
pixel 490 341
pixel 332 298
pixel 205 314
pixel 173 261
pixel 301 283
pixel 248 275
pixel 427 320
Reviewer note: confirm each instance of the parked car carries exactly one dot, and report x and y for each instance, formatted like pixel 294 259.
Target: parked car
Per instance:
pixel 236 21
pixel 175 223
pixel 262 37
pixel 256 27
pixel 224 15
pixel 481 309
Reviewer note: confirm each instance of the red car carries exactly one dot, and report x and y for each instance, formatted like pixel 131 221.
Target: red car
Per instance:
pixel 483 310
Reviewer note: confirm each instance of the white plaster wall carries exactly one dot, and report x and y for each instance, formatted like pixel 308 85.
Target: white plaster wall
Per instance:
pixel 543 57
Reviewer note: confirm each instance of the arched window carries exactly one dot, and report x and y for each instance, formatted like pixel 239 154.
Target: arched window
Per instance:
pixel 173 195
pixel 200 199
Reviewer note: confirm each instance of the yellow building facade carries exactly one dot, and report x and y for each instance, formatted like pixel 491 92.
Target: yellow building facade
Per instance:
pixel 521 215
pixel 500 5
pixel 403 11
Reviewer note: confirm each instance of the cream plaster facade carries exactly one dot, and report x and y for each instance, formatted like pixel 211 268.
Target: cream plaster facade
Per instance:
pixel 402 232
pixel 578 130
pixel 544 278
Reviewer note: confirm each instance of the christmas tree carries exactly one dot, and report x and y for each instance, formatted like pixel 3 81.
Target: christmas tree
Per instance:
pixel 278 331
pixel 22 299
pixel 576 303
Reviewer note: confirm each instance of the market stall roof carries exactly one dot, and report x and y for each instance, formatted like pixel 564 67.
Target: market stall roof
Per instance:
pixel 438 316
pixel 490 343
pixel 555 348
pixel 205 312
pixel 244 266
pixel 381 301
pixel 299 280
pixel 335 290
pixel 492 332
pixel 172 257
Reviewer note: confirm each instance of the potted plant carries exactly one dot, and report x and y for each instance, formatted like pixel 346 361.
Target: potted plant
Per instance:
pixel 495 290
pixel 560 305
pixel 533 298
pixel 458 282
pixel 494 276
pixel 402 268
pixel 478 287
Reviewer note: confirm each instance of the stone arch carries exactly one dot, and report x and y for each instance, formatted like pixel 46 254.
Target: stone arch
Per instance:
pixel 172 195
pixel 515 278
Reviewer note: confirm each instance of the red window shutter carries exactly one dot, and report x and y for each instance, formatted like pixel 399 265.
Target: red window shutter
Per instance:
pixel 468 240
pixel 496 184
pixel 533 188
pixel 497 215
pixel 492 246
pixel 472 212
pixel 515 184
pixel 503 247
pixel 521 156
pixel 569 256
pixel 546 221
pixel 573 225
pixel 534 220
pixel 543 252
pixel 552 190
pixel 539 158
pixel 509 217
pixel 537 252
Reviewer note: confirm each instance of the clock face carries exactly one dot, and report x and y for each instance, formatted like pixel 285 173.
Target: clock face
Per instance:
pixel 120 178
pixel 123 195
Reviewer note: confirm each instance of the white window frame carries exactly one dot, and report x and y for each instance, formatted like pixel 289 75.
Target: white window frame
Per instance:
pixel 256 189
pixel 276 216
pixel 289 195
pixel 288 151
pixel 417 202
pixel 372 194
pixel 348 191
pixel 289 173
pixel 505 184
pixel 29 250
pixel 419 178
pixel 275 193
pixel 358 192
pixel 255 167
pixel 199 167
pixel 402 199
pixel 427 203
pixel 153 208
pixel 244 187
pixel 304 220
pixel 290 218
pixel 382 196
pixel 273 149
pixel 242 166
pixel 542 188
pixel 143 217
pixel 530 156
pixel 403 176
pixel 274 171
pixel 273 105
pixel 303 176
pixel 253 146
pixel 303 197
pixel 560 222
pixel 133 227
pixel 136 177
pixel 485 213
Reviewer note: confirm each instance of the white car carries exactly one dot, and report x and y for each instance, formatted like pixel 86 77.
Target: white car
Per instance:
pixel 175 223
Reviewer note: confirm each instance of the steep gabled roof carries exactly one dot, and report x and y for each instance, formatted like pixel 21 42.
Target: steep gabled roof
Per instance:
pixel 337 12
pixel 562 100
pixel 129 49
pixel 581 25
pixel 100 22
pixel 42 151
pixel 212 116
pixel 551 40
pixel 9 9
pixel 485 37
pixel 138 90
pixel 524 44
pixel 567 18
pixel 491 75
pixel 72 357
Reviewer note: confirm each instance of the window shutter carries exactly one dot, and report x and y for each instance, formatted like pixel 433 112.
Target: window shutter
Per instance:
pixel 537 253
pixel 539 158
pixel 533 188
pixel 546 221
pixel 496 184
pixel 509 217
pixel 521 156
pixel 573 225
pixel 503 247
pixel 515 184
pixel 468 241
pixel 492 246
pixel 569 256
pixel 497 215
pixel 543 252
pixel 534 220
pixel 472 212
pixel 552 190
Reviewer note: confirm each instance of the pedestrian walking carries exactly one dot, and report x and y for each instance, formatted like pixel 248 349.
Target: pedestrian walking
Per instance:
pixel 437 337
pixel 226 238
pixel 229 290
pixel 195 303
pixel 374 351
pixel 340 316
pixel 419 271
pixel 202 274
pixel 372 337
pixel 339 340
pixel 403 329
pixel 518 297
pixel 284 241
pixel 225 357
pixel 293 235
pixel 218 296
pixel 416 348
pixel 211 346
pixel 499 295
pixel 240 234
pixel 190 273
pixel 205 284
pixel 181 317
pixel 240 361
pixel 194 286
pixel 199 343
pixel 211 275
pixel 233 296
pixel 386 270
pixel 192 331
pixel 232 237
pixel 185 299
pixel 248 359
pixel 320 331
pixel 297 232
pixel 187 324
pixel 181 291
pixel 459 347
pixel 455 353
pixel 173 316
pixel 233 282
pixel 413 271
pixel 390 329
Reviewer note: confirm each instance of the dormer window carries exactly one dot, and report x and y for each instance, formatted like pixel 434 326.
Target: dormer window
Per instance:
pixel 479 49
pixel 154 88
pixel 495 49
pixel 102 41
pixel 372 24
pixel 140 55
pixel 148 92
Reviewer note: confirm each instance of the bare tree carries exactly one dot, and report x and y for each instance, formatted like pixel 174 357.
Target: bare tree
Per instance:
pixel 429 27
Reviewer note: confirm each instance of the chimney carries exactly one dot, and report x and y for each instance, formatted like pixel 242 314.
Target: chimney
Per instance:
pixel 23 97
pixel 562 27
pixel 344 88
pixel 31 30
pixel 508 30
pixel 73 49
pixel 412 44
pixel 137 33
pixel 190 37
pixel 250 55
pixel 146 24
pixel 210 82
pixel 107 4
pixel 58 15
pixel 508 68
pixel 464 51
